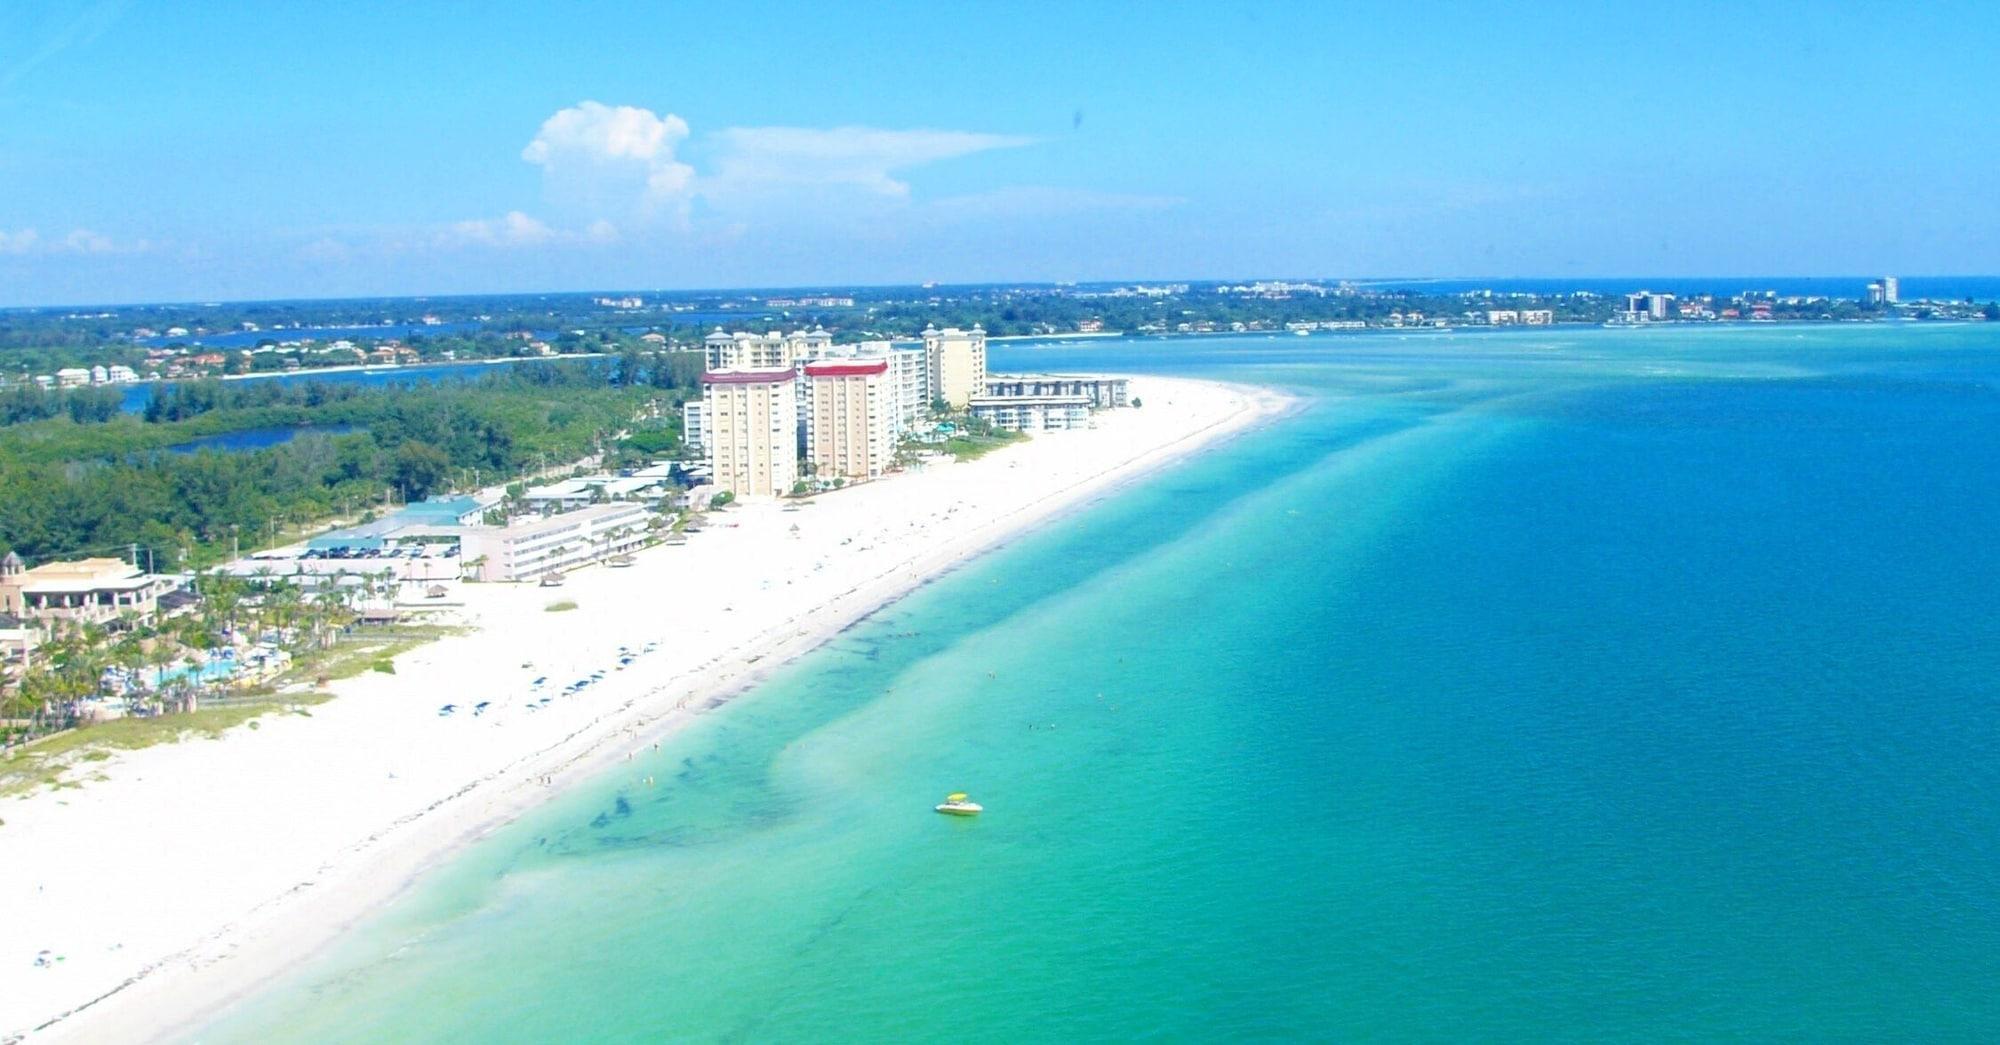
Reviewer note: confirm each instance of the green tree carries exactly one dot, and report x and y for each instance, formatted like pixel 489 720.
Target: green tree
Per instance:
pixel 419 468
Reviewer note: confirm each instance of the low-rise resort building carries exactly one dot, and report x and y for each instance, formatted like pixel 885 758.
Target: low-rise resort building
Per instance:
pixel 91 591
pixel 1103 393
pixel 1033 413
pixel 531 550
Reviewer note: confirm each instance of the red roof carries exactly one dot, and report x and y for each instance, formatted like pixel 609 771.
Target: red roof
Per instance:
pixel 746 377
pixel 879 366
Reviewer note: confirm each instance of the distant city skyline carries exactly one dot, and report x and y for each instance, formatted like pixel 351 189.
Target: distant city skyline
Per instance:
pixel 152 153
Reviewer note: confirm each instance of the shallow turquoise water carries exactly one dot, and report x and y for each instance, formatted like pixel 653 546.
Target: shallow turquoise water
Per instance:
pixel 1569 685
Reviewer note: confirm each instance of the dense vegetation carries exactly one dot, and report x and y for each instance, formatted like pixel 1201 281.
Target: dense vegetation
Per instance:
pixel 97 484
pixel 40 341
pixel 82 405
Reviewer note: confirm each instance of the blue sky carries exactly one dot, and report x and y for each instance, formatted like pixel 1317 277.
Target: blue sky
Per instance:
pixel 210 150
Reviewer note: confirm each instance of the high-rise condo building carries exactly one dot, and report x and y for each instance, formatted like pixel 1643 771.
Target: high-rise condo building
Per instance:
pixel 744 350
pixel 751 418
pixel 694 423
pixel 957 364
pixel 850 431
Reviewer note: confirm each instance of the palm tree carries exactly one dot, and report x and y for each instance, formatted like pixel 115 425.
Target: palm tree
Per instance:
pixel 129 656
pixel 285 602
pixel 223 596
pixel 36 698
pixel 160 658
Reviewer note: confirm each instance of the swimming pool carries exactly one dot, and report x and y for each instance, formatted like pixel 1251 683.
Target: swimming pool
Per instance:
pixel 213 671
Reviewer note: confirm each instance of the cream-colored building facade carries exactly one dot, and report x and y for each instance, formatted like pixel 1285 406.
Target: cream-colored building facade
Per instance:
pixel 96 591
pixel 957 364
pixel 743 350
pixel 851 424
pixel 752 419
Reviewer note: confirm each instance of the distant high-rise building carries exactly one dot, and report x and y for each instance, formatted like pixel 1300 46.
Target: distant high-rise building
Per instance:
pixel 957 364
pixel 909 368
pixel 1891 292
pixel 1646 306
pixel 751 421
pixel 744 350
pixel 694 423
pixel 909 376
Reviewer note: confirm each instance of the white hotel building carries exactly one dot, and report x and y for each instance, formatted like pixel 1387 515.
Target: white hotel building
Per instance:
pixel 1033 413
pixel 529 551
pixel 694 423
pixel 744 350
pixel 908 378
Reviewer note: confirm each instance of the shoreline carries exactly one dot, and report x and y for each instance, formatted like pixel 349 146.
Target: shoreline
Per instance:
pixel 184 988
pixel 380 368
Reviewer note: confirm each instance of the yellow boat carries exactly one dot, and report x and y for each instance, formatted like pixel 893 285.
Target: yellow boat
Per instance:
pixel 956 804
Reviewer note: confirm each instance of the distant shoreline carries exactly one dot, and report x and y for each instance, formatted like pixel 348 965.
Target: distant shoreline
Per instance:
pixel 384 368
pixel 1062 337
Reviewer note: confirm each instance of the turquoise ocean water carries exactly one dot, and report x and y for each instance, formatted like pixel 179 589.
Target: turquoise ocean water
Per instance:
pixel 1544 685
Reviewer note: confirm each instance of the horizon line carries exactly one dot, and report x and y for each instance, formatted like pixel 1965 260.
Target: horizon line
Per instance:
pixel 825 288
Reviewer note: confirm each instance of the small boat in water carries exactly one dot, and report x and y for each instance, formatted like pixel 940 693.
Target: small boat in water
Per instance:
pixel 957 804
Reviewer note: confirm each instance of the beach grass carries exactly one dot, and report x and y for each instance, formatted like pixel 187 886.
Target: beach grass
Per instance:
pixel 364 652
pixel 47 763
pixel 970 447
pixel 561 606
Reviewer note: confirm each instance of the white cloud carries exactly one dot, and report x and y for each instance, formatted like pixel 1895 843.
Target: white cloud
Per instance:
pixel 614 174
pixel 18 242
pixel 602 162
pixel 77 241
pixel 753 158
pixel 1032 201
pixel 84 241
pixel 619 165
pixel 516 229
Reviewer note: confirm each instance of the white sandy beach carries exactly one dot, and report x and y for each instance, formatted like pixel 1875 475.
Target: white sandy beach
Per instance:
pixel 197 871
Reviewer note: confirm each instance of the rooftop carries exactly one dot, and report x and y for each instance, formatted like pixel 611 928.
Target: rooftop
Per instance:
pixel 748 377
pixel 857 368
pixel 440 509
pixel 84 575
pixel 589 513
pixel 1039 400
